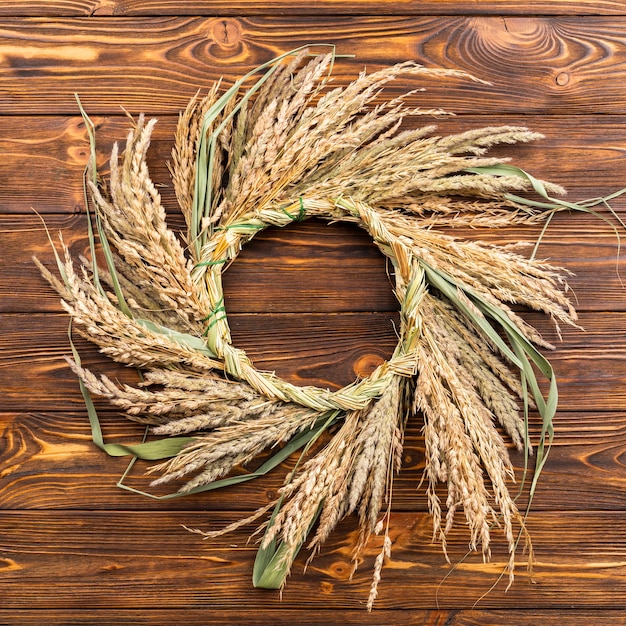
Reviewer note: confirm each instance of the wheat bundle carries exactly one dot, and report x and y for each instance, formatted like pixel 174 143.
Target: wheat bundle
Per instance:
pixel 281 146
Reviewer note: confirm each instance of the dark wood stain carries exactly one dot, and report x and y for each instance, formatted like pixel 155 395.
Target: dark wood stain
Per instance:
pixel 312 302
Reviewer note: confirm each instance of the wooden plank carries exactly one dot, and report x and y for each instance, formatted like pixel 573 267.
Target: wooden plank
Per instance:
pixel 342 254
pixel 316 268
pixel 585 246
pixel 35 377
pixel 147 560
pixel 50 462
pixel 98 8
pixel 33 350
pixel 236 617
pixel 531 617
pixel 587 158
pixel 321 617
pixel 535 64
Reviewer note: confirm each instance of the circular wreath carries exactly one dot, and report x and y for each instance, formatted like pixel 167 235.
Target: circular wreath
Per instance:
pixel 284 148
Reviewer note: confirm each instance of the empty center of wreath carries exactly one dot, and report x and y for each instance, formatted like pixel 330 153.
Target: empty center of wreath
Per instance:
pixel 312 302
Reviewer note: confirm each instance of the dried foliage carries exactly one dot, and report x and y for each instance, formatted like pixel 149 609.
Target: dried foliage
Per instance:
pixel 282 149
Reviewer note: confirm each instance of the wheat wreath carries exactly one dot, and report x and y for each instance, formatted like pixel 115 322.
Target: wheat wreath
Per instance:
pixel 281 146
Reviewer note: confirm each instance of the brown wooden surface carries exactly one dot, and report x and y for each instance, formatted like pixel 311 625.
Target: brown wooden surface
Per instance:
pixel 100 8
pixel 535 64
pixel 311 302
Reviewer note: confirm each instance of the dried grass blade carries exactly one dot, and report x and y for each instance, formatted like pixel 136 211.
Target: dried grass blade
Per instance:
pixel 150 451
pixel 523 352
pixel 554 204
pixel 104 242
pixel 448 287
pixel 184 339
pixel 270 566
pixel 297 442
pixel 527 353
pixel 202 200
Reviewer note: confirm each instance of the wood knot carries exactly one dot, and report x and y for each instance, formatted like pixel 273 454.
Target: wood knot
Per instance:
pixel 562 78
pixel 366 364
pixel 341 570
pixel 9 565
pixel 225 35
pixel 113 567
pixel 499 41
pixel 326 588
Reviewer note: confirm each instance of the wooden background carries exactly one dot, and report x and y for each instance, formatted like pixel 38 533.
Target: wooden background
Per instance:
pixel 312 302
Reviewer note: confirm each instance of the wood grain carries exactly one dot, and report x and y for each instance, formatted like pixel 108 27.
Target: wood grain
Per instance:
pixel 50 462
pixel 524 617
pixel 269 617
pixel 98 8
pixel 586 247
pixel 49 557
pixel 205 616
pixel 317 268
pixel 580 617
pixel 551 65
pixel 56 148
pixel 35 377
pixel 313 303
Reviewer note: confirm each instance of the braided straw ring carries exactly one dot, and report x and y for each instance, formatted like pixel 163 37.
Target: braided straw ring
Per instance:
pixel 280 151
pixel 224 246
